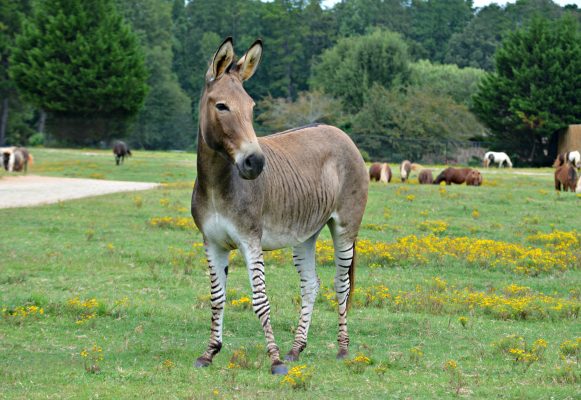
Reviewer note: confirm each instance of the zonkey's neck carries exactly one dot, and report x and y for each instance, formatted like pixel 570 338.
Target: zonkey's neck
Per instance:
pixel 213 169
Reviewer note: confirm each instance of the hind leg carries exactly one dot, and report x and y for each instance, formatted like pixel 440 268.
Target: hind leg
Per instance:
pixel 344 244
pixel 304 260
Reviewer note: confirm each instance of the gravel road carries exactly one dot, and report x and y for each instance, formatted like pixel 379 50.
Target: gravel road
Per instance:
pixel 30 190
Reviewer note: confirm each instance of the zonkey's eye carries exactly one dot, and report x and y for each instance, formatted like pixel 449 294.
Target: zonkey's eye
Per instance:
pixel 222 107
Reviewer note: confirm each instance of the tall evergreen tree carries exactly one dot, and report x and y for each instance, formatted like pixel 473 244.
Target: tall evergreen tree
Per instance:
pixel 165 120
pixel 536 88
pixel 80 61
pixel 13 112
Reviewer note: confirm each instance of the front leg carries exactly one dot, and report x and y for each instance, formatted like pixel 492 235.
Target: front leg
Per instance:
pixel 255 264
pixel 218 265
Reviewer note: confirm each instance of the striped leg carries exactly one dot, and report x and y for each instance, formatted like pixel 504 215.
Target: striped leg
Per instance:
pixel 260 305
pixel 344 260
pixel 218 265
pixel 304 259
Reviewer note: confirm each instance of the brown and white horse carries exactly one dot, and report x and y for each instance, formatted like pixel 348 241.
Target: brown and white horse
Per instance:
pixel 256 194
pixel 15 159
pixel 572 157
pixel 405 169
pixel 380 172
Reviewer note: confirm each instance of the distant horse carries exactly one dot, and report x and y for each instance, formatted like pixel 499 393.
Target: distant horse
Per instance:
pixel 5 153
pixel 496 157
pixel 453 175
pixel 404 170
pixel 572 157
pixel 16 159
pixel 121 150
pixel 425 177
pixel 380 172
pixel 474 178
pixel 566 176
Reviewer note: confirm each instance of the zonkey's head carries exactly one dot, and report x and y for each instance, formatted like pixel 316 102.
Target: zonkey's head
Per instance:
pixel 226 109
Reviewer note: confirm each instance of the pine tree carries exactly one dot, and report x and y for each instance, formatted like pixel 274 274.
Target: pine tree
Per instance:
pixel 80 61
pixel 165 121
pixel 536 88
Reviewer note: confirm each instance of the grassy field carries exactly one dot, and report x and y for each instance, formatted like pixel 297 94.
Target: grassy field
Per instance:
pixel 461 291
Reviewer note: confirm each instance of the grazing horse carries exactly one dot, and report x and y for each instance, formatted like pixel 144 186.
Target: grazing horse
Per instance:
pixel 5 153
pixel 572 157
pixel 121 150
pixel 256 194
pixel 425 177
pixel 404 170
pixel 566 175
pixel 16 159
pixel 496 157
pixel 474 178
pixel 453 175
pixel 380 172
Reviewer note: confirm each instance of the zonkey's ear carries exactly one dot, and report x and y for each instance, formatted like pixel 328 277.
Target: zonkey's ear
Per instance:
pixel 222 59
pixel 247 65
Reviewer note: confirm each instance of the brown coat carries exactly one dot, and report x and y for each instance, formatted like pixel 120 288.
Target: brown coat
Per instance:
pixel 474 178
pixel 565 176
pixel 453 175
pixel 425 177
pixel 375 172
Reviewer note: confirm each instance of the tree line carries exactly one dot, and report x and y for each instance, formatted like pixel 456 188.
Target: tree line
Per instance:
pixel 84 72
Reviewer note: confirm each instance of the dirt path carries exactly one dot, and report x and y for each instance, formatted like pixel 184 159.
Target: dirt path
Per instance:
pixel 30 190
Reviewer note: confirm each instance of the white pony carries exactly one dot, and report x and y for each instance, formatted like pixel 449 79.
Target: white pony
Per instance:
pixel 496 157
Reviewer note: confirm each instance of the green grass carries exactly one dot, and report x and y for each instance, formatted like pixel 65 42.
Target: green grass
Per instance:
pixel 105 248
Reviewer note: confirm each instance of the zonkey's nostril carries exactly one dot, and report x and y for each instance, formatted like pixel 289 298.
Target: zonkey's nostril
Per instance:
pixel 248 161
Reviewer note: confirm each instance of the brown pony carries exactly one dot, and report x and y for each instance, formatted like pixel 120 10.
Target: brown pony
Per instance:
pixel 425 177
pixel 474 178
pixel 121 150
pixel 565 175
pixel 375 172
pixel 453 175
pixel 380 172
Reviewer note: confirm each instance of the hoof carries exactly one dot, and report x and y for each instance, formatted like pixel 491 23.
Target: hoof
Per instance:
pixel 342 354
pixel 279 369
pixel 291 356
pixel 203 362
